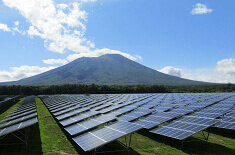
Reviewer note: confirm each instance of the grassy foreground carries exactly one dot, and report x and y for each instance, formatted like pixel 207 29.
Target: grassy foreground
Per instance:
pixel 52 138
pixel 146 143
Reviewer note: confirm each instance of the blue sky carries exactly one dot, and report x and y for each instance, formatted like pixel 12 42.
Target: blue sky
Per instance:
pixel 191 39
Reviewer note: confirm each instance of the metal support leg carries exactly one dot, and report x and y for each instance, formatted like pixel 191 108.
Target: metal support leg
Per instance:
pixel 128 145
pixel 26 139
pixel 129 142
pixel 206 137
pixel 95 152
pixel 182 144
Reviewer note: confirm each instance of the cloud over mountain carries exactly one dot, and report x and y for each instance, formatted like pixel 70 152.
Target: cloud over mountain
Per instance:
pixel 171 71
pixel 61 26
pixel 223 72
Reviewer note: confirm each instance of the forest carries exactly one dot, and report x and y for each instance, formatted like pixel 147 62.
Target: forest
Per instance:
pixel 112 89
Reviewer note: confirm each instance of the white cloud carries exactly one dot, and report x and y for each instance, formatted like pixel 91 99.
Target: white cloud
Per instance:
pixel 171 71
pixel 4 27
pixel 61 26
pixel 55 61
pixel 17 73
pixel 62 6
pixel 200 9
pixel 226 66
pixel 223 72
pixel 95 53
pixel 99 52
pixel 55 24
pixel 14 29
pixel 139 58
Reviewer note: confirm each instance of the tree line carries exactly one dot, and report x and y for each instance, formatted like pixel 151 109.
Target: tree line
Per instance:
pixel 81 89
pixel 111 89
pixel 204 89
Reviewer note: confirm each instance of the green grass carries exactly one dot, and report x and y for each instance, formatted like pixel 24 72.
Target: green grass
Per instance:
pixel 52 137
pixel 146 143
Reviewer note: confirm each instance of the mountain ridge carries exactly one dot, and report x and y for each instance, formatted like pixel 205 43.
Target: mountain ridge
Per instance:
pixel 109 69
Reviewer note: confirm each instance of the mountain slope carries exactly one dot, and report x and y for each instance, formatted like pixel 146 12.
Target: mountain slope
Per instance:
pixel 110 69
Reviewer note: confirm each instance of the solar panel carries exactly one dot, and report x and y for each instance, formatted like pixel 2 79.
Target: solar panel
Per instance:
pixel 146 124
pixel 106 110
pixel 63 108
pixel 205 115
pixel 164 107
pixel 172 133
pixel 102 106
pixel 18 120
pixel 132 116
pixel 58 106
pixel 88 124
pixel 197 120
pixel 187 124
pixel 226 125
pixel 18 126
pixel 97 138
pixel 20 112
pixel 71 113
pixel 143 110
pixel 121 111
pixel 125 127
pixel 227 122
pixel 78 118
pixel 66 110
pixel 151 121
pixel 88 141
pixel 20 115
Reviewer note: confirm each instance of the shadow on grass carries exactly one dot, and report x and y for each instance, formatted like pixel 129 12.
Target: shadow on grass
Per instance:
pixel 223 132
pixel 191 145
pixel 17 147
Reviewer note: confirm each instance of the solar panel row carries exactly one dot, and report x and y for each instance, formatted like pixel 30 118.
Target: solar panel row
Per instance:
pixel 95 120
pixel 24 116
pixel 104 135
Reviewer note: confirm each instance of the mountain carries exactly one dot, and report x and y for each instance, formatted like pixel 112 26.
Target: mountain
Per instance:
pixel 109 69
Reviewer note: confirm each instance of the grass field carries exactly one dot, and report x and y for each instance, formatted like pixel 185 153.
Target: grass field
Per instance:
pixel 52 138
pixel 146 143
pixel 48 138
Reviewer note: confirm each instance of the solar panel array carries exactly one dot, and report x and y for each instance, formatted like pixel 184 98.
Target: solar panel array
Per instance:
pixel 82 116
pixel 228 120
pixel 196 121
pixel 23 116
pixel 6 102
pixel 94 120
